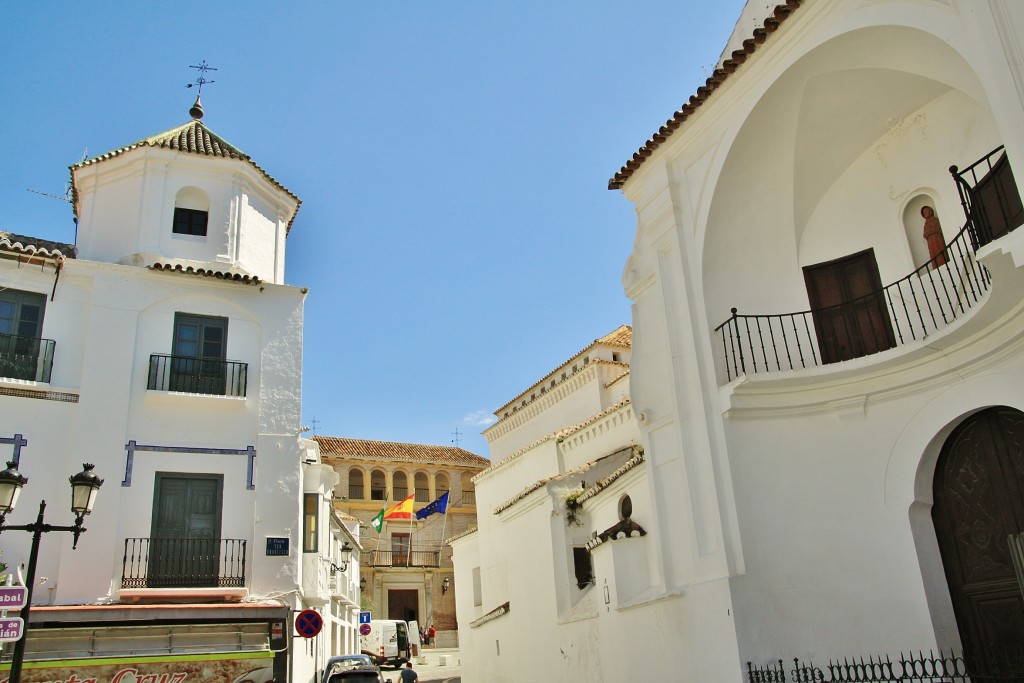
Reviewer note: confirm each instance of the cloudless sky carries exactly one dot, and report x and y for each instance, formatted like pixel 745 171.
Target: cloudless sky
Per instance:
pixel 456 232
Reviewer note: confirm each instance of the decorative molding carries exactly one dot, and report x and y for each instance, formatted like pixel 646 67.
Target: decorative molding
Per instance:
pixel 499 611
pixel 60 396
pixel 132 447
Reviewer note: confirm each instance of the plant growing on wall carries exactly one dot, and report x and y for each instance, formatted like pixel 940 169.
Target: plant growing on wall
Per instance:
pixel 573 506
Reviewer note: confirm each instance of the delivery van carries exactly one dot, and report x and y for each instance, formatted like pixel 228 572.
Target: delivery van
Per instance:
pixel 391 642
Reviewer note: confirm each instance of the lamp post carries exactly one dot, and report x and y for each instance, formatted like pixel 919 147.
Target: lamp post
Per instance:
pixel 84 487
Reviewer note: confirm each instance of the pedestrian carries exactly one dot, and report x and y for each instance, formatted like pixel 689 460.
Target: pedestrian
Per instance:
pixel 431 633
pixel 408 675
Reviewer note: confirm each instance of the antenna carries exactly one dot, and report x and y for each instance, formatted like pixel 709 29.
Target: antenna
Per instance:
pixel 67 186
pixel 203 67
pixel 457 436
pixel 314 422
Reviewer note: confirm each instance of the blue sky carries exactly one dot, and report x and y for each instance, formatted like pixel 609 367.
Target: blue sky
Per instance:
pixel 456 232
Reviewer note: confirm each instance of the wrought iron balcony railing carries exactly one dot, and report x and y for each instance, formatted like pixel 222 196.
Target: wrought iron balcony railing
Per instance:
pixel 197 375
pixel 915 306
pixel 26 358
pixel 909 667
pixel 183 563
pixel 402 558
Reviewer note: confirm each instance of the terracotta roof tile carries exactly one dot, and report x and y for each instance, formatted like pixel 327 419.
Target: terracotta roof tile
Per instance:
pixel 206 272
pixel 362 449
pixel 720 74
pixel 32 246
pixel 193 138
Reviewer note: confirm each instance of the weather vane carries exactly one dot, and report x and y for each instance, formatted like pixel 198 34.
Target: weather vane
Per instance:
pixel 456 434
pixel 203 67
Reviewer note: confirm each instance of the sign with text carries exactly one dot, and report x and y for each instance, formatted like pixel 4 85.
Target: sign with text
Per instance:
pixel 11 629
pixel 277 546
pixel 254 666
pixel 12 597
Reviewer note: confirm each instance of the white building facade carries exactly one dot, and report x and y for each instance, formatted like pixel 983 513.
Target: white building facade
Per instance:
pixel 822 460
pixel 167 351
pixel 561 532
pixel 832 393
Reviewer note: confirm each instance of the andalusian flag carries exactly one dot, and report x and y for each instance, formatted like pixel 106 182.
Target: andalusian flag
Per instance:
pixel 401 510
pixel 378 520
pixel 438 506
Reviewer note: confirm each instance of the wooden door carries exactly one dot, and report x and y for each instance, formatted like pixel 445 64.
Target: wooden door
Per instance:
pixel 400 548
pixel 199 350
pixel 850 316
pixel 979 502
pixel 996 203
pixel 403 604
pixel 184 547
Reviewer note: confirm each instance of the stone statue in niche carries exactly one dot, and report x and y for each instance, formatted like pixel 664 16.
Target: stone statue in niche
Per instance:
pixel 933 236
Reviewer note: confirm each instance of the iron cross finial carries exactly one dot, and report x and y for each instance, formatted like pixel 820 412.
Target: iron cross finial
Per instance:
pixel 202 67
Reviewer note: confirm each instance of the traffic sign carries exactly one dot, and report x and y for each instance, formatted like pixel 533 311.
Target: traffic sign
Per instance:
pixel 364 617
pixel 12 597
pixel 308 623
pixel 11 629
pixel 364 629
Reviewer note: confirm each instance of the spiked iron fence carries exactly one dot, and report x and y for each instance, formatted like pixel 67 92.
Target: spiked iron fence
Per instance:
pixel 908 667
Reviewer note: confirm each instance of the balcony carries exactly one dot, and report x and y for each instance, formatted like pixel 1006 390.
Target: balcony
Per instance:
pixel 402 558
pixel 26 358
pixel 183 563
pixel 197 375
pixel 911 309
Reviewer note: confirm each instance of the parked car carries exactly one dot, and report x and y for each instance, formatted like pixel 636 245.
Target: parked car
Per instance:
pixel 352 669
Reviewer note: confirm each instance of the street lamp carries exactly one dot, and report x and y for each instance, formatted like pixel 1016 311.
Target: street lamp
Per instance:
pixel 84 487
pixel 444 585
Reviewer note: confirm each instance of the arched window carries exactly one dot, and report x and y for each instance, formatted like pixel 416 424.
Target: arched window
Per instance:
pixel 191 212
pixel 441 484
pixel 355 484
pixel 377 485
pixel 400 485
pixel 468 492
pixel 422 487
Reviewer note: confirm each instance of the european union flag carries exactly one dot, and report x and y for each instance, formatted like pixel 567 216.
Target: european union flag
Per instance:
pixel 439 505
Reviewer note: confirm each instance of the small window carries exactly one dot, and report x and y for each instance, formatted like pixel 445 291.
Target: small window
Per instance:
pixel 422 487
pixel 310 517
pixel 355 484
pixel 190 221
pixel 625 507
pixel 468 493
pixel 377 485
pixel 399 485
pixel 584 567
pixel 616 357
pixel 441 483
pixel 478 598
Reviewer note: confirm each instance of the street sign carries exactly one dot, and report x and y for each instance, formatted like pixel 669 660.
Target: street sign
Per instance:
pixel 11 629
pixel 364 629
pixel 12 597
pixel 308 623
pixel 364 617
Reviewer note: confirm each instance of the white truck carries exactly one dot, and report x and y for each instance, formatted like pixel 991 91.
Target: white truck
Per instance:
pixel 391 642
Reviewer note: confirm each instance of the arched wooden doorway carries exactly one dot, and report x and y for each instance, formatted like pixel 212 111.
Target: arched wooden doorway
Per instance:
pixel 979 502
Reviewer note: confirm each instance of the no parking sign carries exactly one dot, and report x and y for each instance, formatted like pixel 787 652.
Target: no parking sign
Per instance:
pixel 308 623
pixel 364 629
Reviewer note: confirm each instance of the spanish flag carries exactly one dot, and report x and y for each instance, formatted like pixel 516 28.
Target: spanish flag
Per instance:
pixel 401 510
